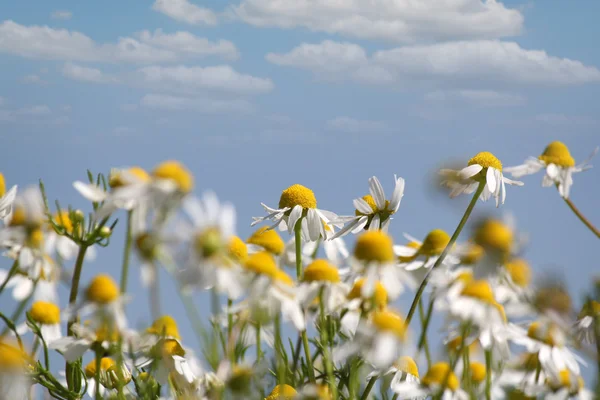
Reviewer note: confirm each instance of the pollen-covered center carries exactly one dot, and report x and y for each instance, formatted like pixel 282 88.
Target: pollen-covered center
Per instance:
pixel 105 333
pixel 408 365
pixel 116 180
pixel 435 242
pixel 11 357
pixel 486 159
pixel 388 321
pixel 321 271
pixel 102 290
pixel 297 195
pixel 494 235
pixel 438 374
pixel 283 392
pixel 477 372
pixel 236 248
pixel 166 326
pixel 557 153
pixel 262 263
pixel 281 276
pixel 45 313
pixel 519 271
pixel 209 242
pixel 380 296
pixel 480 290
pixel 374 246
pixel 105 364
pixel 177 173
pixel 268 239
pixel 171 347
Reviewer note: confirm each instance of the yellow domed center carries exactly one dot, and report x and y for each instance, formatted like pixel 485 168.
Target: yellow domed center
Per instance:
pixel 321 271
pixel 388 321
pixel 268 239
pixel 438 373
pixel 105 334
pixel 472 255
pixel 380 295
pixel 486 160
pixel 102 290
pixel 435 242
pixel 2 185
pixel 408 365
pixel 165 325
pixel 465 277
pixel 209 242
pixel 477 372
pixel 297 195
pixel 374 246
pixel 236 248
pixel 177 173
pixel 45 313
pixel 262 263
pixel 116 180
pixel 171 347
pixel 557 153
pixel 519 272
pixel 281 276
pixel 35 239
pixel 480 290
pixel 495 235
pixel 370 201
pixel 11 357
pixel 105 364
pixel 284 392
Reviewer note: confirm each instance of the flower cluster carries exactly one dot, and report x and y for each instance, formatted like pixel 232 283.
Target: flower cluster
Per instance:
pixel 504 335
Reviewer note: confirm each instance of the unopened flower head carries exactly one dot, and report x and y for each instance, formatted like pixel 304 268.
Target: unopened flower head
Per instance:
pixel 519 272
pixel 374 246
pixel 237 250
pixel 494 235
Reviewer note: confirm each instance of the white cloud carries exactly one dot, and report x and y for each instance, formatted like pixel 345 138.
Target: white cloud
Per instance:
pixel 186 43
pixel 85 74
pixel 33 79
pixel 468 61
pixel 398 21
pixel 61 44
pixel 61 14
pixel 203 105
pixel 352 125
pixel 483 98
pixel 184 11
pixel 221 77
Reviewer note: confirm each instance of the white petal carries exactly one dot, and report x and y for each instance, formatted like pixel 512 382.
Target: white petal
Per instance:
pixel 90 192
pixel 490 179
pixel 295 214
pixel 314 224
pixel 362 206
pixel 470 171
pixel 377 192
pixel 397 195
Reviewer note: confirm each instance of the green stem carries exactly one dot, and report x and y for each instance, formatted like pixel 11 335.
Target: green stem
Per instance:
pixel 126 255
pixel 97 377
pixel 258 344
pixel 488 374
pixel 75 284
pixel 424 324
pixel 278 348
pixel 309 364
pixel 581 217
pixel 10 274
pixel 442 256
pixel 325 344
pixel 369 387
pixel 298 242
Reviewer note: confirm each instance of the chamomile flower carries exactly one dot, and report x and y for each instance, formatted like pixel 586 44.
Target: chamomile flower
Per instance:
pixel 378 339
pixel 265 239
pixel 512 287
pixel 46 315
pixel 298 203
pixel 282 392
pixel 321 281
pixel 40 282
pixel 404 369
pixel 373 211
pixel 559 165
pixel 14 361
pixel 374 259
pixel 167 358
pixel 483 168
pixel 111 376
pixel 357 303
pixel 439 376
pixel 584 326
pixel 6 199
pixel 566 385
pixel 87 336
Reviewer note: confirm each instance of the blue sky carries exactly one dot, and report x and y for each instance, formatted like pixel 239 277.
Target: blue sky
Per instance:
pixel 253 98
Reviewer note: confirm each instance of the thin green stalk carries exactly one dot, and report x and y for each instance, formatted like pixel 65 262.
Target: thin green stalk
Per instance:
pixel 325 344
pixel 258 344
pixel 582 218
pixel 126 255
pixel 424 324
pixel 10 274
pixel 369 387
pixel 75 284
pixel 488 374
pixel 309 364
pixel 442 256
pixel 229 329
pixel 298 240
pixel 97 377
pixel 278 348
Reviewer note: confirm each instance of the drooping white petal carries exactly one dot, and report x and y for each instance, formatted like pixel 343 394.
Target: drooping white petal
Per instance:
pixel 397 194
pixel 295 214
pixel 470 171
pixel 377 192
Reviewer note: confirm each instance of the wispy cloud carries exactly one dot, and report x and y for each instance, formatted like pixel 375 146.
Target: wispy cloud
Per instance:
pixel 85 74
pixel 61 14
pixel 185 11
pixel 480 98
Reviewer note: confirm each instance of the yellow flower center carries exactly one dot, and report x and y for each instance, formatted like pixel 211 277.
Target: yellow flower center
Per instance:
pixel 541 332
pixel 105 364
pixel 486 160
pixel 208 242
pixel 438 373
pixel 63 219
pixel 374 246
pixel 519 272
pixel 18 216
pixel 465 277
pixel 115 178
pixel 171 347
pixel 371 202
pixel 146 245
pixel 435 242
pixel 380 295
pixel 590 309
pixel 477 372
pixel 45 313
pixel 480 290
pixel 285 392
pixel 268 239
pixel 282 277
pixel 565 381
pixel 262 263
pixel 389 321
pixel 408 365
pixel 297 195
pixel 176 172
pixel 321 271
pixel 495 235
pixel 412 245
pixel 472 255
pixel 557 153
pixel 35 239
pixel 166 326
pixel 102 290
pixel 2 185
pixel 236 248
pixel 104 334
pixel 11 357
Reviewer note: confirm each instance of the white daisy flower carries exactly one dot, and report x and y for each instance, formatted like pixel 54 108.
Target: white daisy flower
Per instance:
pixel 168 358
pixel 584 326
pixel 559 164
pixel 357 304
pixel 378 339
pixel 265 239
pixel 87 336
pixel 566 386
pixel 512 288
pixel 484 167
pixel 321 282
pixel 298 203
pixel 14 364
pixel 431 384
pixel 373 211
pixel 46 315
pixel 403 369
pixel 40 282
pixel 112 375
pixel 6 199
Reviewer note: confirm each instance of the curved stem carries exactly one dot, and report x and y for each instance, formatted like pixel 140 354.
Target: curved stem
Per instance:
pixel 370 385
pixel 581 217
pixel 309 364
pixel 325 344
pixel 126 255
pixel 488 374
pixel 10 274
pixel 75 283
pixel 424 325
pixel 442 256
